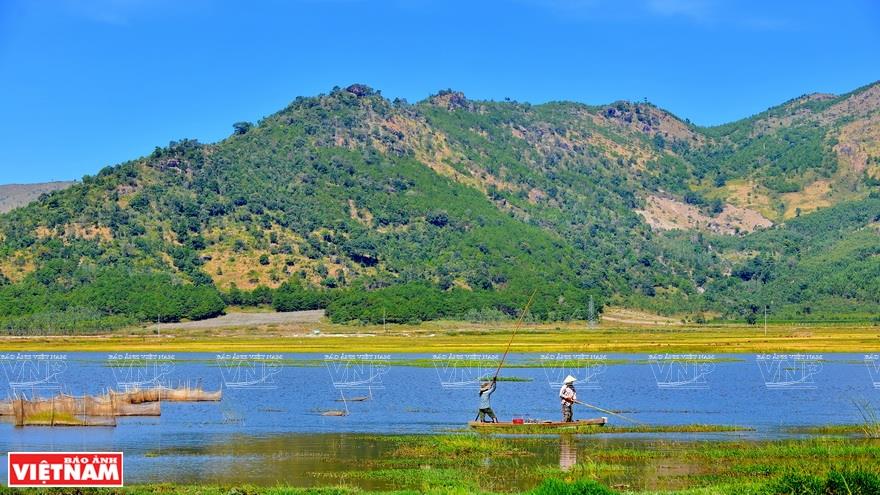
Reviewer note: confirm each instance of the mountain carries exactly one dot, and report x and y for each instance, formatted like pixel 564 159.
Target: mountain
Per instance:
pixel 14 195
pixel 452 207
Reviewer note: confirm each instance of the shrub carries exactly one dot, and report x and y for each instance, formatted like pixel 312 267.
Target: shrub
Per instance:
pixel 837 482
pixel 241 127
pixel 557 487
pixel 693 198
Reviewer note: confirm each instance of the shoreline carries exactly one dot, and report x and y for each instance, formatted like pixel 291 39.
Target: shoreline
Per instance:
pixel 462 337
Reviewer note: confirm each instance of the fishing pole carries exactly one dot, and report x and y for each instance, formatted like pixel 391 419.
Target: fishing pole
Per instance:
pixel 515 328
pixel 609 412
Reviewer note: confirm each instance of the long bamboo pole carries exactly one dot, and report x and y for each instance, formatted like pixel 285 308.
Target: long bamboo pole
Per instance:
pixel 608 412
pixel 515 329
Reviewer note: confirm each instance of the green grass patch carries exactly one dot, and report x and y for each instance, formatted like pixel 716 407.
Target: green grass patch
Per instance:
pixel 49 418
pixel 472 464
pixel 528 429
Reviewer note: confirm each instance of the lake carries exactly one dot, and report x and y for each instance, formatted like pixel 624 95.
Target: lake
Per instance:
pixel 272 404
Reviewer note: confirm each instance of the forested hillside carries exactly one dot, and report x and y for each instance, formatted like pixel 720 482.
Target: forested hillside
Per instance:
pixel 457 208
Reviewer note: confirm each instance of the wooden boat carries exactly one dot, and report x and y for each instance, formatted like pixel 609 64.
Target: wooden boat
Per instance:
pixel 530 424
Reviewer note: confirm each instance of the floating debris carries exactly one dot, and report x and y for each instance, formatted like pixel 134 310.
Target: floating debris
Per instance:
pixel 354 399
pixel 334 413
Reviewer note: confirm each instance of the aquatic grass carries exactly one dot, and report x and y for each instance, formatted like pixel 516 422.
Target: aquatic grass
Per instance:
pixel 871 425
pixel 572 363
pixel 458 448
pixel 796 481
pixel 181 489
pixel 538 429
pixel 818 448
pixel 836 482
pixel 780 453
pixel 559 487
pixel 736 465
pixel 310 362
pixel 867 429
pixel 847 429
pixel 470 463
pixel 694 360
pixel 125 363
pixel 587 469
pixel 53 418
pixel 686 428
pixel 627 454
pixel 753 470
pixel 424 477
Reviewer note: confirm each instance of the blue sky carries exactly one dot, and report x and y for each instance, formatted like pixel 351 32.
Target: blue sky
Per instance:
pixel 89 83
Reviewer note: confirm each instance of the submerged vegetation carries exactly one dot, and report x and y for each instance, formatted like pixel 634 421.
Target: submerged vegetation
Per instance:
pixel 466 464
pixel 870 425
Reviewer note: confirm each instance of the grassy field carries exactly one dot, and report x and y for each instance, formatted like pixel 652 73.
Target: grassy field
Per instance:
pixel 465 337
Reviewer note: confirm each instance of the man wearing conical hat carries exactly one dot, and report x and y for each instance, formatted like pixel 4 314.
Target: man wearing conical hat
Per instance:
pixel 486 389
pixel 568 395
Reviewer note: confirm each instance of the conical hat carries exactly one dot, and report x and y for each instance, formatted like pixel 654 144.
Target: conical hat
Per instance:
pixel 569 379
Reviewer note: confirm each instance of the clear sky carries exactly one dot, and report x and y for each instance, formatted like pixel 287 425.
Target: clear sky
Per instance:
pixel 89 83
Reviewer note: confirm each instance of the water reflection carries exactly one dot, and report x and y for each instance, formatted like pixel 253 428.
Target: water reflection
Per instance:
pixel 567 452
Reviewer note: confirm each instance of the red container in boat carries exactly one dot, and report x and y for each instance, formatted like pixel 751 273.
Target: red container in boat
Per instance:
pixel 518 421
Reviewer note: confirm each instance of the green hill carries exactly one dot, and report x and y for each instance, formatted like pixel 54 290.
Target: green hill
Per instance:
pixel 451 207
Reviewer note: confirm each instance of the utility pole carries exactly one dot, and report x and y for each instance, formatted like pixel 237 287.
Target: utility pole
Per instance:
pixel 591 314
pixel 765 319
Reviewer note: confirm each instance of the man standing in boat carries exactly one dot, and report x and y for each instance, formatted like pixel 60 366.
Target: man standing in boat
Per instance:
pixel 568 395
pixel 486 390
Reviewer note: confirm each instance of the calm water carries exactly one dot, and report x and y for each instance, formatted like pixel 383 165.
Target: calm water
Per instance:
pixel 272 405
